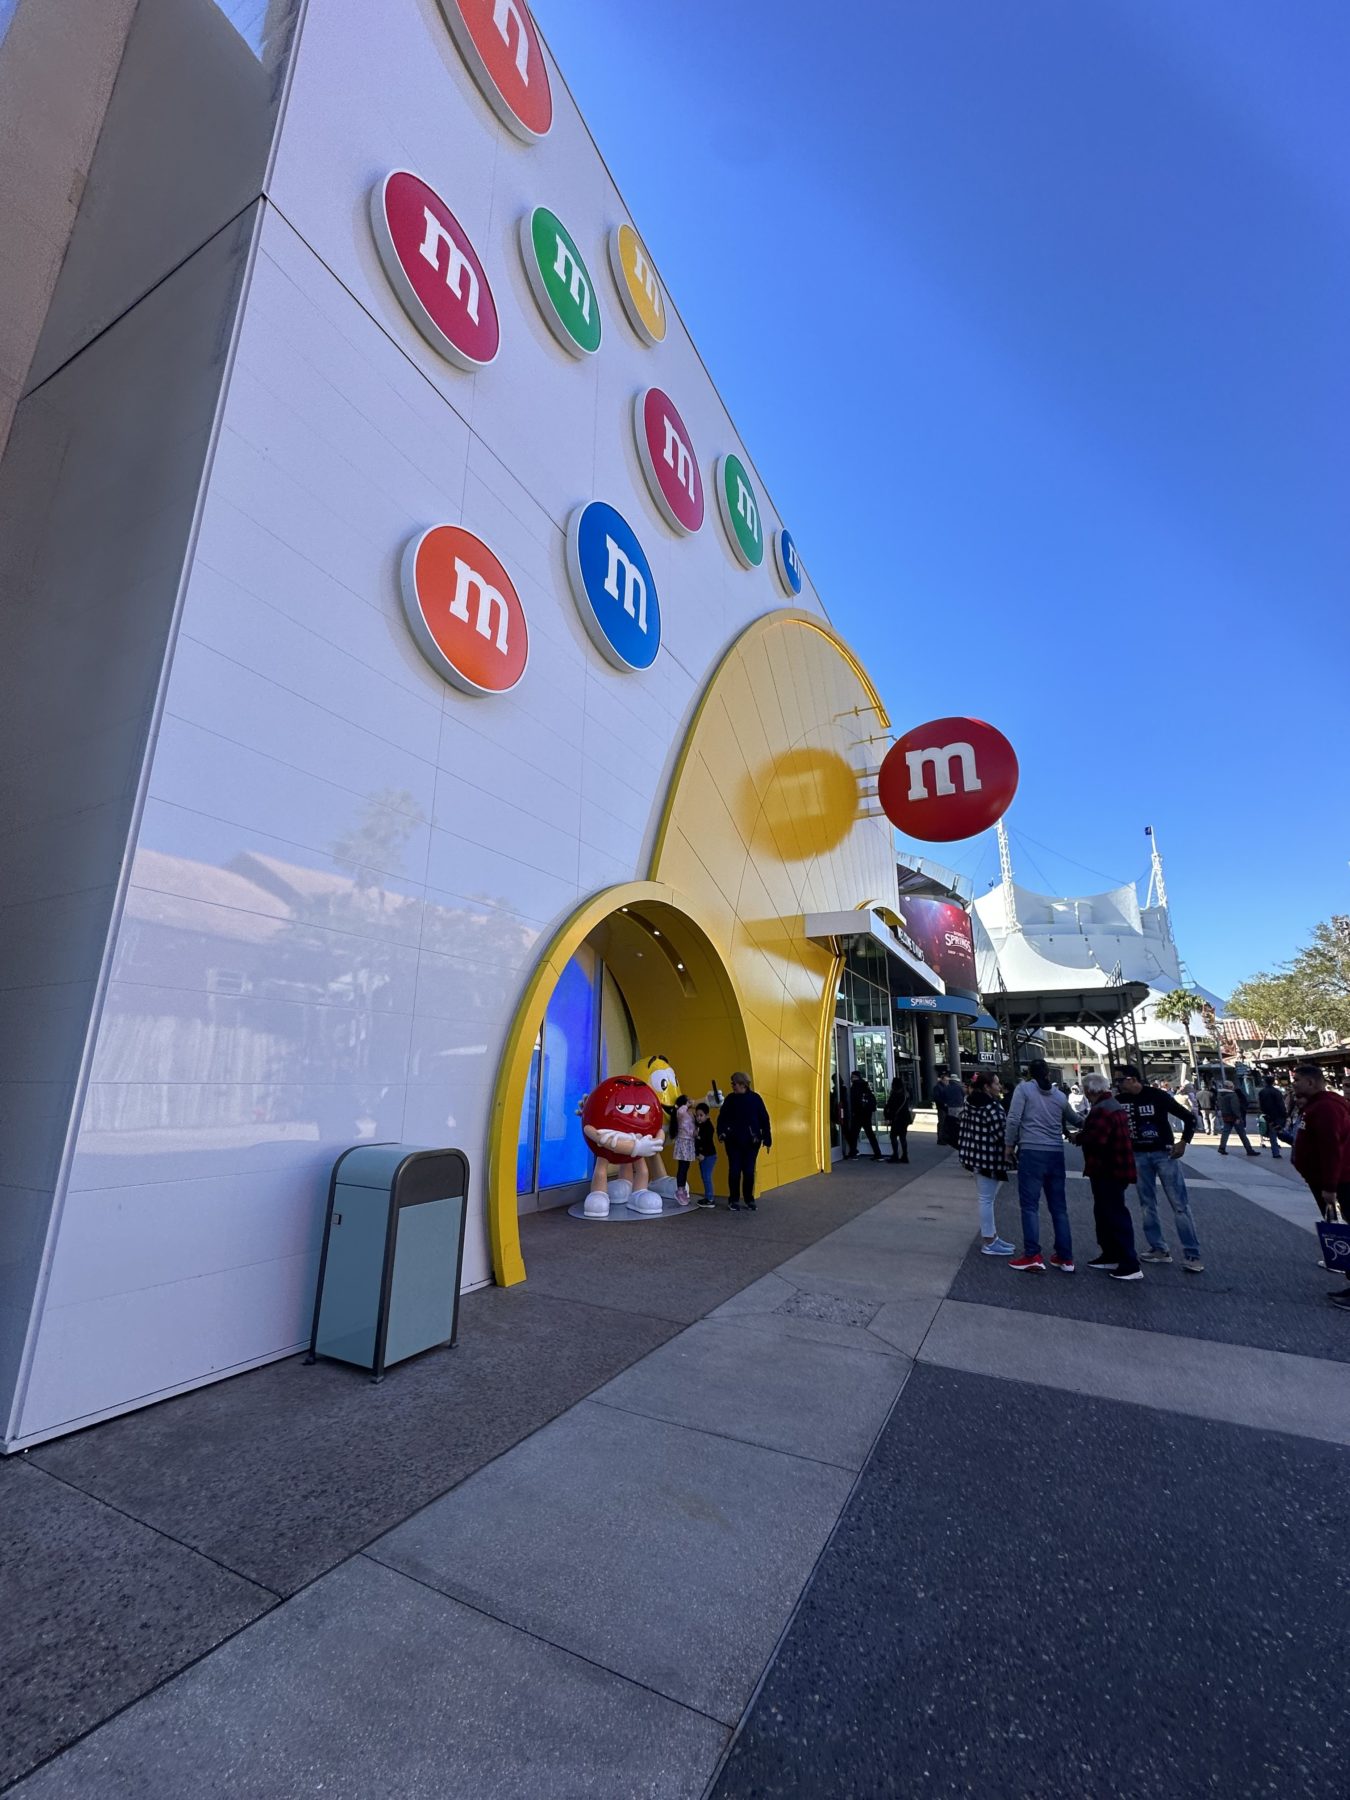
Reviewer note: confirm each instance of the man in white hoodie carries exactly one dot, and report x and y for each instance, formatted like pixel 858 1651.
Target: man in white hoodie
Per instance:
pixel 1039 1120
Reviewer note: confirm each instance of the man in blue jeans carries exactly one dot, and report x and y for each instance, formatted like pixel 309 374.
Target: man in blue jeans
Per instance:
pixel 1157 1158
pixel 1039 1120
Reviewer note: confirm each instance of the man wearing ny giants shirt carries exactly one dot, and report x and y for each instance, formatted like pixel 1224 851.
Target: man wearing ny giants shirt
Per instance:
pixel 1157 1158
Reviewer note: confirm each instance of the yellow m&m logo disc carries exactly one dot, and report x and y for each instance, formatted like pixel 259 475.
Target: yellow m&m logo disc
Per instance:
pixel 639 290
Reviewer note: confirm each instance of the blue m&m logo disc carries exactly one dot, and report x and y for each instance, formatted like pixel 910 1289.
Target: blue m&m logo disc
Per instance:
pixel 787 562
pixel 613 585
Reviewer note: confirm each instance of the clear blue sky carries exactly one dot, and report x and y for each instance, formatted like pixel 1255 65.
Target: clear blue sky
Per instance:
pixel 1034 317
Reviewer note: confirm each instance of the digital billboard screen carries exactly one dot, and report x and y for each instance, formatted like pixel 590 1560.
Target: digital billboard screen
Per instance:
pixel 941 928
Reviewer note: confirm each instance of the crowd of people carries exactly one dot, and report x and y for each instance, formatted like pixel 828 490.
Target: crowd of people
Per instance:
pixel 1132 1133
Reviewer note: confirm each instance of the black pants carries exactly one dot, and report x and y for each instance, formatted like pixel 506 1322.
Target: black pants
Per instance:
pixel 859 1128
pixel 899 1141
pixel 1115 1227
pixel 741 1160
pixel 681 1174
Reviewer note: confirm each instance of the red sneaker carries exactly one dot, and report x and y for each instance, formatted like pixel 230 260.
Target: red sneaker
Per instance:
pixel 1028 1262
pixel 1063 1263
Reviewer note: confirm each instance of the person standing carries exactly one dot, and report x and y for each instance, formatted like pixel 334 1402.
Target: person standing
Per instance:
pixel 1206 1108
pixel 684 1146
pixel 1321 1152
pixel 862 1108
pixel 984 1151
pixel 1039 1120
pixel 899 1116
pixel 705 1149
pixel 743 1126
pixel 950 1099
pixel 1233 1117
pixel 1274 1112
pixel 1157 1158
pixel 1108 1159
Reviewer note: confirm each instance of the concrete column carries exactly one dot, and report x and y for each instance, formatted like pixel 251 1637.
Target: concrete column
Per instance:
pixel 927 1060
pixel 953 1044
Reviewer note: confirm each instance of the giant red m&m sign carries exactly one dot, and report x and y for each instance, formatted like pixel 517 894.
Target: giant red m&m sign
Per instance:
pixel 948 779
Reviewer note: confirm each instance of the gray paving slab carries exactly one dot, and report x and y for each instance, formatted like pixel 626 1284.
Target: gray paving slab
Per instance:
pixel 1036 1596
pixel 904 1324
pixel 369 1684
pixel 1261 1285
pixel 668 1555
pixel 677 1292
pixel 1269 1184
pixel 95 1610
pixel 871 1270
pixel 281 1473
pixel 805 1309
pixel 808 1398
pixel 1266 1389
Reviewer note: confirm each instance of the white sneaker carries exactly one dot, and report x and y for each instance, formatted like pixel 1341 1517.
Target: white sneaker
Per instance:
pixel 999 1247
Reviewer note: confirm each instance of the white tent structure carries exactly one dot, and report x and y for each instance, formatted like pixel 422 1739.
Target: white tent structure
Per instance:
pixel 1032 943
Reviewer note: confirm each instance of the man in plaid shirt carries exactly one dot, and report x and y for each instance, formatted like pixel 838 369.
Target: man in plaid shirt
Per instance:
pixel 1108 1158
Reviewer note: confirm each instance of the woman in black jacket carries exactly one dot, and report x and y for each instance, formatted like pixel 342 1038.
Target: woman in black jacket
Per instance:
pixel 899 1116
pixel 983 1150
pixel 743 1126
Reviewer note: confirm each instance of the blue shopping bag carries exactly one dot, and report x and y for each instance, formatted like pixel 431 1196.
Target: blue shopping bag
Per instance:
pixel 1334 1236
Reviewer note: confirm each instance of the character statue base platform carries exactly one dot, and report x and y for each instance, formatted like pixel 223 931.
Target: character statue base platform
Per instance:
pixel 623 1215
pixel 620 1213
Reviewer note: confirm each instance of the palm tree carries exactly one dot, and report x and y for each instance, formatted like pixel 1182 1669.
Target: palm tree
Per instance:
pixel 1176 1008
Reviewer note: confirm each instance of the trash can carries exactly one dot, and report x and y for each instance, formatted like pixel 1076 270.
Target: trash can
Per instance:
pixel 393 1249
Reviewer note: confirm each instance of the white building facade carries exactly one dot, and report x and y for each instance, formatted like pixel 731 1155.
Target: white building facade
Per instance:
pixel 282 872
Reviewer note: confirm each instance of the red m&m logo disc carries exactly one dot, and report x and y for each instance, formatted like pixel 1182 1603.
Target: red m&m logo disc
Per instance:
pixel 948 779
pixel 668 461
pixel 435 270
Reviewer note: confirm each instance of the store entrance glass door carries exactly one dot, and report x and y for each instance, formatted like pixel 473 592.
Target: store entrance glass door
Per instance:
pixel 872 1055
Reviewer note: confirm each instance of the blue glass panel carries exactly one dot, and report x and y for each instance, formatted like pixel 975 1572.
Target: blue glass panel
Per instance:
pixel 529 1124
pixel 568 1072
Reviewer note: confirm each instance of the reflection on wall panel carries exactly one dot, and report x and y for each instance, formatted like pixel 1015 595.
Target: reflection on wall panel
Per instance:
pixel 97 494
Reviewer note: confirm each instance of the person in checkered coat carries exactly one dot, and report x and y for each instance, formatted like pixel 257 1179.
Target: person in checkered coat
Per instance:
pixel 982 1149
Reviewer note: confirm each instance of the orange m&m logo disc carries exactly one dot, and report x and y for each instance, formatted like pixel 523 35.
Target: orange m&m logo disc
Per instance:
pixel 498 40
pixel 464 611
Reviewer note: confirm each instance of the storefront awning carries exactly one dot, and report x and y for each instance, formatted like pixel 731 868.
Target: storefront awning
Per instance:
pixel 958 1004
pixel 832 930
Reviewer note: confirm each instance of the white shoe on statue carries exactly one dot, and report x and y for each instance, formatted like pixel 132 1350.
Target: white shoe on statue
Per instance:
pixel 644 1201
pixel 597 1206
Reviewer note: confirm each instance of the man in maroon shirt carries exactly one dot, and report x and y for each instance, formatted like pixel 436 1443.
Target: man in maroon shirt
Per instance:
pixel 1108 1159
pixel 1322 1148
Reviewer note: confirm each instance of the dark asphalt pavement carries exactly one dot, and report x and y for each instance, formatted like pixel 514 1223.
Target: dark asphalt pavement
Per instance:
pixel 1038 1596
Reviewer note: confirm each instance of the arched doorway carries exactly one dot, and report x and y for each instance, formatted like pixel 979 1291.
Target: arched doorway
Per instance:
pixel 632 972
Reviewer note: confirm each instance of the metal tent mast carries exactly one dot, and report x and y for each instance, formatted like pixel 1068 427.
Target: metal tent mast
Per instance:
pixel 1156 883
pixel 1010 918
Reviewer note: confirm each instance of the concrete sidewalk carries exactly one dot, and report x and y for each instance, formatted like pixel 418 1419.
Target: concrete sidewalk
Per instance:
pixel 130 1551
pixel 677 1580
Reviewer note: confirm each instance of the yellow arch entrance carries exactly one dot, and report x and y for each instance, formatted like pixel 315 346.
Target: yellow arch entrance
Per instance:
pixel 766 820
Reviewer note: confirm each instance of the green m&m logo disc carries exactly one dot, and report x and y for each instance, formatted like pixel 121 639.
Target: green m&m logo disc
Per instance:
pixel 561 281
pixel 739 506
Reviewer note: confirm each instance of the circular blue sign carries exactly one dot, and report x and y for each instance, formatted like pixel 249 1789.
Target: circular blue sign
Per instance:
pixel 614 586
pixel 788 562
